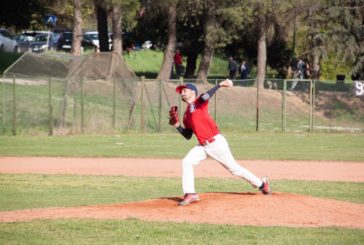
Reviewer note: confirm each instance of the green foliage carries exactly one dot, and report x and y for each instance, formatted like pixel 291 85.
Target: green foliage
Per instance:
pixel 332 66
pixel 23 14
pixel 336 27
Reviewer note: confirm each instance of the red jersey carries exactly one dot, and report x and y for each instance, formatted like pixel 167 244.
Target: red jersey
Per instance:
pixel 178 59
pixel 199 120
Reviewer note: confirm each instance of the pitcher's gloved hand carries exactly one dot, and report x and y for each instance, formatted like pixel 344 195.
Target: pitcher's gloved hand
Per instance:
pixel 173 115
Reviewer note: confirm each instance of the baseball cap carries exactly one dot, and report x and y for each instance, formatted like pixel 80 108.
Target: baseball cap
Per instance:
pixel 187 85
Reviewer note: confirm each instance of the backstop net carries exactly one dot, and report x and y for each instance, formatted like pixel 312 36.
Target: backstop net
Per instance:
pixel 67 94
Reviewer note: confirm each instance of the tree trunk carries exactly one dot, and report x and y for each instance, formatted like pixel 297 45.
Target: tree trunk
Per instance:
pixel 204 67
pixel 316 67
pixel 191 64
pixel 77 28
pixel 209 47
pixel 262 54
pixel 117 29
pixel 101 14
pixel 167 65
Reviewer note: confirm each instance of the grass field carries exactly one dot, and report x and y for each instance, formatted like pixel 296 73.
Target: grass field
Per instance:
pixel 39 191
pixel 138 232
pixel 269 146
pixel 24 191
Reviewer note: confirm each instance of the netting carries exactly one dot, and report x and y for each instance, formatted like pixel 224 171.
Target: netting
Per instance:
pixel 73 83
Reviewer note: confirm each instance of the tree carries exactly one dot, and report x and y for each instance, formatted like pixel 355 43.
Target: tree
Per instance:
pixel 21 14
pixel 123 13
pixel 120 10
pixel 344 27
pixel 77 28
pixel 117 29
pixel 210 41
pixel 167 65
pixel 217 23
pixel 102 27
pixel 190 34
pixel 268 17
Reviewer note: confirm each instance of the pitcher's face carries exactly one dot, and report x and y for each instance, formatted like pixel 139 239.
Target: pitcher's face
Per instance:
pixel 188 95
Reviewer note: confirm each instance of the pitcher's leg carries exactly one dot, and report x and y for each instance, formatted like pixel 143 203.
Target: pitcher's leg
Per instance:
pixel 193 157
pixel 220 151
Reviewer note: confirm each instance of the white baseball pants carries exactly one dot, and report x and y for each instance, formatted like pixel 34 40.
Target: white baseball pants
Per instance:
pixel 220 151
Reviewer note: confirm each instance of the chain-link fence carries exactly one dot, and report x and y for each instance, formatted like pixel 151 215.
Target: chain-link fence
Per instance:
pixel 62 94
pixel 101 106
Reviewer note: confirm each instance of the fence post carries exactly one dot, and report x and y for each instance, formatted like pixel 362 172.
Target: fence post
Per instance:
pixel 257 111
pixel 4 101
pixel 50 115
pixel 14 108
pixel 313 103
pixel 179 98
pixel 74 119
pixel 160 107
pixel 113 104
pixel 215 101
pixel 82 106
pixel 142 106
pixel 284 105
pixel 311 111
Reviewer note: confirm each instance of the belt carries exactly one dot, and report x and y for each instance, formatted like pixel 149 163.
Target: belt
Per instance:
pixel 209 141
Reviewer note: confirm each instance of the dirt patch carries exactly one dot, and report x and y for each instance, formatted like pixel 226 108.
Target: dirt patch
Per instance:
pixel 20 81
pixel 279 209
pixel 299 170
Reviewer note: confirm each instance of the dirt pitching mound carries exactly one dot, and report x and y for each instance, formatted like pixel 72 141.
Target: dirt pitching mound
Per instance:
pixel 279 209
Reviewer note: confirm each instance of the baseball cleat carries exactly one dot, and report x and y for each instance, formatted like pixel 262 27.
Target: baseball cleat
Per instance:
pixel 189 198
pixel 265 188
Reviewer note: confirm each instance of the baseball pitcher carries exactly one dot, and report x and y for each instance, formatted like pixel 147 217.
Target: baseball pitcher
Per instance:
pixel 196 120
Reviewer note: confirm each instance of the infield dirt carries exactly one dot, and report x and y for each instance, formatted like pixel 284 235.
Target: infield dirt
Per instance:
pixel 279 209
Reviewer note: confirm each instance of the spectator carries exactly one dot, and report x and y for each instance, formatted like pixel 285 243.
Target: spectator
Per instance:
pixel 301 68
pixel 232 68
pixel 244 70
pixel 178 63
pixel 298 73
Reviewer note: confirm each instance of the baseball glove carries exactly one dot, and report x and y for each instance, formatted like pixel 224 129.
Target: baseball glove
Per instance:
pixel 173 115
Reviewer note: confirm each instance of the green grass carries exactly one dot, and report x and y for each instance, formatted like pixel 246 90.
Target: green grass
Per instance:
pixel 145 62
pixel 24 191
pixel 36 191
pixel 148 63
pixel 270 146
pixel 133 231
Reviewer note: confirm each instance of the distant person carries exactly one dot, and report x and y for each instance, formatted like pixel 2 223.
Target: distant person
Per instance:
pixel 298 73
pixel 301 66
pixel 178 63
pixel 232 68
pixel 307 70
pixel 244 70
pixel 130 49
